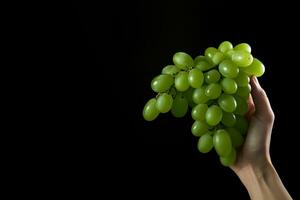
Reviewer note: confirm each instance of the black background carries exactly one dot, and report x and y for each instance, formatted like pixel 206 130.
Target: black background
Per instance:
pixel 107 56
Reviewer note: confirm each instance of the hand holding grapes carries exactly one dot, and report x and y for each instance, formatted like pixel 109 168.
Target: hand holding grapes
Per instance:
pixel 255 150
pixel 216 88
pixel 253 164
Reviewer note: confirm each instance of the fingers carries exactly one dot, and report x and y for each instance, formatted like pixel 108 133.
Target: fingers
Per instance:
pixel 251 108
pixel 263 108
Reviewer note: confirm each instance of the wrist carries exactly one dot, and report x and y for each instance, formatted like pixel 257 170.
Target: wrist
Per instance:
pixel 255 171
pixel 262 182
pixel 255 177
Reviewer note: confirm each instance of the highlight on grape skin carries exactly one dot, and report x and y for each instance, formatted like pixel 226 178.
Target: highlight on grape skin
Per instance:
pixel 215 86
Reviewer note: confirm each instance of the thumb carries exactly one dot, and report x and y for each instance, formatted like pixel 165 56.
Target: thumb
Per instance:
pixel 263 108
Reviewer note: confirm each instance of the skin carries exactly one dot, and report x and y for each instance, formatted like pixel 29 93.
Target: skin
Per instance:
pixel 254 166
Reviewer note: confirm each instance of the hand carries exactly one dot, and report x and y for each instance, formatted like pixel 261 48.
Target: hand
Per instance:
pixel 253 165
pixel 255 151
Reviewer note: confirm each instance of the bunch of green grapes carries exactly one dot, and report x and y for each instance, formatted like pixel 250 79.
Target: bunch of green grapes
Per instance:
pixel 216 87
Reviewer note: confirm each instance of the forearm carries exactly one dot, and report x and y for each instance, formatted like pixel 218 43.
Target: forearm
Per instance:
pixel 263 183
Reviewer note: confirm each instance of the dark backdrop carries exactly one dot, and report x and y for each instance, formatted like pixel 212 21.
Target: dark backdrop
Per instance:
pixel 109 54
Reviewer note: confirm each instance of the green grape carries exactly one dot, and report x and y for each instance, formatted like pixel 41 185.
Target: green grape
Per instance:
pixel 196 78
pixel 242 58
pixel 164 103
pixel 150 111
pixel 205 143
pixel 257 68
pixel 217 58
pixel 183 60
pixel 222 142
pixel 242 79
pixel 170 69
pixel 242 106
pixel 212 76
pixel 228 119
pixel 210 52
pixel 243 47
pixel 202 63
pixel 228 69
pixel 162 83
pixel 230 159
pixel 199 128
pixel 182 81
pixel 213 91
pixel 244 92
pixel 198 112
pixel 179 106
pixel 236 138
pixel 199 59
pixel 241 125
pixel 227 103
pixel 199 95
pixel 189 96
pixel 229 86
pixel 229 53
pixel 213 115
pixel 225 46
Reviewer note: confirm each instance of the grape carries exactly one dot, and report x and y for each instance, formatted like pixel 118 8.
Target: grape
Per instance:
pixel 244 92
pixel 164 103
pixel 242 58
pixel 241 125
pixel 189 96
pixel 229 86
pixel 257 68
pixel 162 83
pixel 244 47
pixel 213 115
pixel 183 60
pixel 227 103
pixel 242 106
pixel 179 106
pixel 235 136
pixel 210 52
pixel 199 95
pixel 229 53
pixel 150 111
pixel 202 63
pixel 213 90
pixel 212 76
pixel 228 69
pixel 222 142
pixel 228 119
pixel 242 79
pixel 225 46
pixel 182 81
pixel 170 69
pixel 205 143
pixel 217 58
pixel 230 159
pixel 199 128
pixel 199 59
pixel 198 112
pixel 196 78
